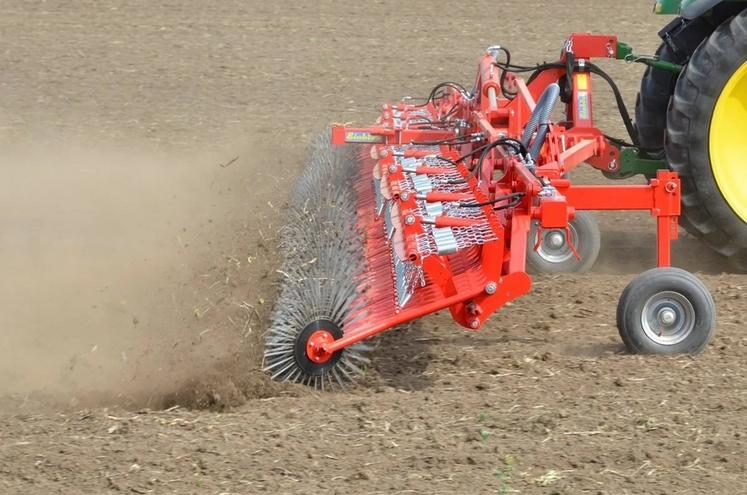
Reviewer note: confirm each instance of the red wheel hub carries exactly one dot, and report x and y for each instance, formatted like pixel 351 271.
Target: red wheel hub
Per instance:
pixel 316 346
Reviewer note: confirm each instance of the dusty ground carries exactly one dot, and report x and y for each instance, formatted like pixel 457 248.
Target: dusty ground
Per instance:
pixel 140 268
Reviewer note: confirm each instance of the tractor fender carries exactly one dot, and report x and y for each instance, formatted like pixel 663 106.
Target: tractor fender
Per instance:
pixel 685 33
pixel 695 9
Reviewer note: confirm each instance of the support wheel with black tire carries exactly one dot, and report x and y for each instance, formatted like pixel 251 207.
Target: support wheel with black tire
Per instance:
pixel 666 311
pixel 554 253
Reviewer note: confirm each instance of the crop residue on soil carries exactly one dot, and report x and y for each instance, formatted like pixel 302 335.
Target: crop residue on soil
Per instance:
pixel 151 247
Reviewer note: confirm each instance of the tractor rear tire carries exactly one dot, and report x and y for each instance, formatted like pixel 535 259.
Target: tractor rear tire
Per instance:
pixel 706 140
pixel 651 105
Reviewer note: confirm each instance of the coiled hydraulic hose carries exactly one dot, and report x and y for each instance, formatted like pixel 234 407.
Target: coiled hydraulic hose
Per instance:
pixel 540 116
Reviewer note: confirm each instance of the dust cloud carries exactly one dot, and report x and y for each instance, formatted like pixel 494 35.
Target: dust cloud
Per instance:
pixel 113 261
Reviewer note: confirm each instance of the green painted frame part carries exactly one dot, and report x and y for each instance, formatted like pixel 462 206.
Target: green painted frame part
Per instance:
pixel 679 7
pixel 669 7
pixel 659 64
pixel 625 52
pixel 632 163
pixel 663 65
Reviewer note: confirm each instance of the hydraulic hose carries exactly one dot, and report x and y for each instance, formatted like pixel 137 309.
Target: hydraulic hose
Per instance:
pixel 539 117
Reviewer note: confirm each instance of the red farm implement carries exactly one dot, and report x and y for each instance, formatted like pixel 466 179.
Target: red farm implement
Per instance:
pixel 440 204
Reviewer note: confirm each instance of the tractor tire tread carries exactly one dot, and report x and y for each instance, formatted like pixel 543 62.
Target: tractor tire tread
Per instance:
pixel 705 213
pixel 651 103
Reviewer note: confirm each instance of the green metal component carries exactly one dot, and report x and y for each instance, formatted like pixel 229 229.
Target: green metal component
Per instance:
pixel 664 65
pixel 689 9
pixel 624 50
pixel 669 7
pixel 685 4
pixel 632 163
pixel 656 63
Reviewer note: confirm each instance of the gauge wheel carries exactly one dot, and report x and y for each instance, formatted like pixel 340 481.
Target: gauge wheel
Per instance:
pixel 555 255
pixel 666 311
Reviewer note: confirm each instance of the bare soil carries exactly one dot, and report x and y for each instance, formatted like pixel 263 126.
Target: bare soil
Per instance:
pixel 147 150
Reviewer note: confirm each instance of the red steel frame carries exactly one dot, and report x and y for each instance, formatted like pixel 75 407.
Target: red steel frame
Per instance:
pixel 502 264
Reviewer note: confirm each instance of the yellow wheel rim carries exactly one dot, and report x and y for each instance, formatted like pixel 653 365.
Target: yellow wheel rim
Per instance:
pixel 728 142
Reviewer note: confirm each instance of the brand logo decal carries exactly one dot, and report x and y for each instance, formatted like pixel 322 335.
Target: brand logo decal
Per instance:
pixel 362 137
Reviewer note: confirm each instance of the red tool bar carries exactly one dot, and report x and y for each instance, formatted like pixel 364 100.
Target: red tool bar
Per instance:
pixel 586 45
pixel 577 154
pixel 661 196
pixel 381 135
pixel 628 197
pixel 485 126
pixel 526 95
pixel 520 227
pixel 402 317
pixel 522 174
pixel 429 170
pixel 447 196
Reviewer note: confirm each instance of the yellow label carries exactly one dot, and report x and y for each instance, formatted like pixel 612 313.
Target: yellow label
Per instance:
pixel 582 82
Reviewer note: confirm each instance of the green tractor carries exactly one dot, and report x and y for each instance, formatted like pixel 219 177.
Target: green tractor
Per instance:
pixel 692 112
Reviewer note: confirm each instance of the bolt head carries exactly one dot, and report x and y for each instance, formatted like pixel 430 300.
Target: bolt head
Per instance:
pixel 491 287
pixel 392 169
pixel 404 196
pixel 384 153
pixel 474 323
pixel 409 219
pixel 612 165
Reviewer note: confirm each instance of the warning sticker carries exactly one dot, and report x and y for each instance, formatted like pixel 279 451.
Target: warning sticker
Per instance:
pixel 583 105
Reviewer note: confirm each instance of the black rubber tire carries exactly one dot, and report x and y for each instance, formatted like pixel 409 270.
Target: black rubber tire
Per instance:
pixel 705 212
pixel 646 285
pixel 652 102
pixel 588 245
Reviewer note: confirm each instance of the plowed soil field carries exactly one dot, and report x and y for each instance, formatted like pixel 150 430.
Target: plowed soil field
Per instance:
pixel 146 154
